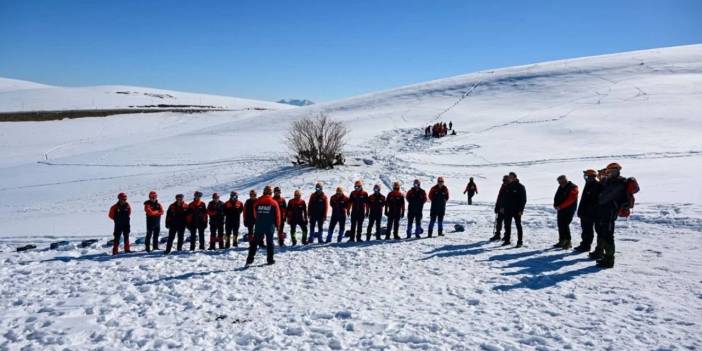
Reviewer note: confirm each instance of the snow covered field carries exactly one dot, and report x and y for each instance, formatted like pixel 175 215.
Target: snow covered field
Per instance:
pixel 641 109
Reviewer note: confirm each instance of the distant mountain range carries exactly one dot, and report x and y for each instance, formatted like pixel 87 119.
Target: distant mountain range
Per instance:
pixel 296 102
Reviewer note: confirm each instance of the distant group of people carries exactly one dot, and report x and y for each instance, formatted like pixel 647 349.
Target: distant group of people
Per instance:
pixel 439 129
pixel 606 196
pixel 265 216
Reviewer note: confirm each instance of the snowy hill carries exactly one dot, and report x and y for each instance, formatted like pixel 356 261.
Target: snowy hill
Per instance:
pixel 641 109
pixel 21 96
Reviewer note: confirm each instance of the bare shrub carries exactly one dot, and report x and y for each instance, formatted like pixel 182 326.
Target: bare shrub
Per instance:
pixel 317 141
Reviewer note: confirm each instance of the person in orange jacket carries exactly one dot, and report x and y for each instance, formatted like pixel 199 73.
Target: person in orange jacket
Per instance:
pixel 267 215
pixel 232 219
pixel 376 204
pixel 394 210
pixel 176 221
pixel 340 205
pixel 249 218
pixel 197 220
pixel 120 213
pixel 358 201
pixel 297 216
pixel 283 212
pixel 154 211
pixel 416 198
pixel 215 210
pixel 565 202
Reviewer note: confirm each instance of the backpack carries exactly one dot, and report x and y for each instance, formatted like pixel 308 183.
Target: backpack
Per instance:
pixel 632 187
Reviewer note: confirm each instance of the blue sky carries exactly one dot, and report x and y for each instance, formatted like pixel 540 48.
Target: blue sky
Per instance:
pixel 320 50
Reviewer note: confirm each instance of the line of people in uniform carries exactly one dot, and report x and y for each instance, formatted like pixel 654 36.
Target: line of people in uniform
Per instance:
pixel 606 196
pixel 266 216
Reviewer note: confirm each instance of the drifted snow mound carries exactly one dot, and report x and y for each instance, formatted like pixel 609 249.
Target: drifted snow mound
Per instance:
pixel 22 96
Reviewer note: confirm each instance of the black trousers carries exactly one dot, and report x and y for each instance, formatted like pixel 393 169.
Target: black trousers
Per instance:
pixel 605 238
pixel 119 231
pixel 374 220
pixel 293 227
pixel 508 226
pixel 257 241
pixel 470 199
pixel 216 234
pixel 498 223
pixel 394 226
pixel 356 226
pixel 316 227
pixel 588 233
pixel 153 231
pixel 564 218
pixel 414 218
pixel 200 233
pixel 231 227
pixel 172 232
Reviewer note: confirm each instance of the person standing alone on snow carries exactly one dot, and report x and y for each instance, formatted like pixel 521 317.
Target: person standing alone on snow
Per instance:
pixel 267 215
pixel 416 198
pixel 565 202
pixel 197 221
pixel 587 210
pixel 359 210
pixel 317 208
pixel 120 213
pixel 215 210
pixel 439 196
pixel 394 210
pixel 340 210
pixel 471 190
pixel 154 211
pixel 176 221
pixel 513 202
pixel 376 203
pixel 232 219
pixel 297 216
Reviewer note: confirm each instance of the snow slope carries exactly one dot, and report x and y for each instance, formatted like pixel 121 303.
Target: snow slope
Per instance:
pixel 19 96
pixel 641 109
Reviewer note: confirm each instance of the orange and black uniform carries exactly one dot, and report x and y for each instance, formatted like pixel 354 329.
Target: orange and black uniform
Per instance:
pixel 317 208
pixel 359 211
pixel 283 212
pixel 394 210
pixel 416 198
pixel 176 221
pixel 120 213
pixel 154 211
pixel 232 221
pixel 566 202
pixel 197 222
pixel 267 215
pixel 296 214
pixel 249 218
pixel 215 210
pixel 376 203
pixel 340 209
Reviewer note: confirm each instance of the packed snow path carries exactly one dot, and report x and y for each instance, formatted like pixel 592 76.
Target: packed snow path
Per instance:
pixel 453 292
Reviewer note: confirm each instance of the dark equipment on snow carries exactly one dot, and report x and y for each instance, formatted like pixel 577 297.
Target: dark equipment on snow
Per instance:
pixel 459 228
pixel 58 244
pixel 26 248
pixel 87 243
pixel 140 241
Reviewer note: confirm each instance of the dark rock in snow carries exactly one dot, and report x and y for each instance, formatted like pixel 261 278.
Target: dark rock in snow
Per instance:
pixel 459 228
pixel 58 244
pixel 26 248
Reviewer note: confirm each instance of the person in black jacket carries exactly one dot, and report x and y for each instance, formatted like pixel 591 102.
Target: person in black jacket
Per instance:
pixel 613 197
pixel 513 202
pixel 565 203
pixel 176 221
pixel 587 210
pixel 500 215
pixel 416 198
